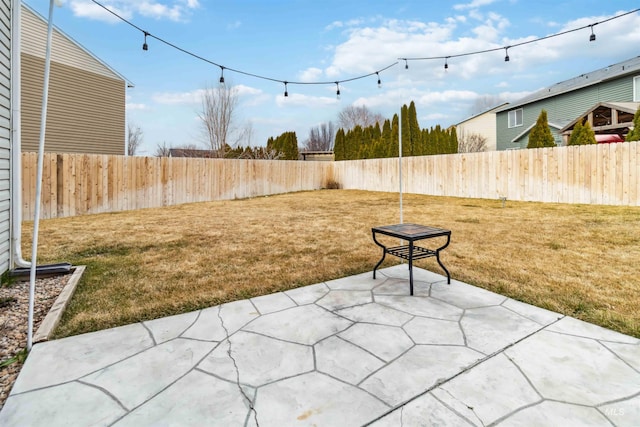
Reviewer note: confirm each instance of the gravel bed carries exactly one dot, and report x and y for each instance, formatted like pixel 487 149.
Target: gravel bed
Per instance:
pixel 14 309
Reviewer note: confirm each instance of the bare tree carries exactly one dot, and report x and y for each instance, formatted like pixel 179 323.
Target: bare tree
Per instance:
pixel 162 150
pixel 261 153
pixel 484 103
pixel 321 137
pixel 217 116
pixel 471 143
pixel 245 135
pixel 134 138
pixel 351 116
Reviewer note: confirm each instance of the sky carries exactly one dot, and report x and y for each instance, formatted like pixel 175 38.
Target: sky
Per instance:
pixel 335 40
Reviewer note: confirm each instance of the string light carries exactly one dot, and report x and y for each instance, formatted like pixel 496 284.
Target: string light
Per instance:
pixel 337 90
pixel 592 37
pixel 286 93
pixel 222 67
pixel 506 54
pixel 406 60
pixel 379 81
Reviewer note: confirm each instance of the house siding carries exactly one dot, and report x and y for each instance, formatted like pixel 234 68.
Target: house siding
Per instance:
pixel 75 124
pixel 65 50
pixel 86 104
pixel 5 135
pixel 484 125
pixel 563 108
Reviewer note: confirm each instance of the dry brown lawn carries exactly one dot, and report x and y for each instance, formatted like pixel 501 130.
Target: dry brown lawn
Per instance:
pixel 579 260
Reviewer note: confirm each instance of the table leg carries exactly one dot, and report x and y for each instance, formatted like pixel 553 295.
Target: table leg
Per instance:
pixel 411 267
pixel 440 263
pixel 384 254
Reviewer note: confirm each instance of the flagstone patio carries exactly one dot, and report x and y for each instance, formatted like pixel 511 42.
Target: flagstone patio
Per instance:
pixel 349 352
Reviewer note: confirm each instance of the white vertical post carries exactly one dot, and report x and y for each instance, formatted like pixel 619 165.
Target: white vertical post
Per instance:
pixel 36 219
pixel 400 160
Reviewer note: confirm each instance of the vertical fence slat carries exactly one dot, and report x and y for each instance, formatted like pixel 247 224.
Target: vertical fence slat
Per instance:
pixel 75 184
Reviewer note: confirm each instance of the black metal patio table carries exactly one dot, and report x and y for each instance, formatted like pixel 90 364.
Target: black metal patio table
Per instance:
pixel 411 233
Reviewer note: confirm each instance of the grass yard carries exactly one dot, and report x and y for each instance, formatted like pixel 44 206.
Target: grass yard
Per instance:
pixel 579 260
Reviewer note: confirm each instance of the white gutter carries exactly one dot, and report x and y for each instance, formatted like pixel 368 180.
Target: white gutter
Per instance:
pixel 16 142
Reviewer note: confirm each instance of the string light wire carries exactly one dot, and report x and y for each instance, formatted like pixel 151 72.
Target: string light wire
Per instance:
pixel 377 72
pixel 477 52
pixel 224 67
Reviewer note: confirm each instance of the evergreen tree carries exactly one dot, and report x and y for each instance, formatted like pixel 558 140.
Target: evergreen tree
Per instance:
pixel 576 134
pixel 385 140
pixel 339 145
pixel 414 130
pixel 453 140
pixel 406 132
pixel 634 135
pixel 395 129
pixel 588 135
pixel 582 134
pixel 540 135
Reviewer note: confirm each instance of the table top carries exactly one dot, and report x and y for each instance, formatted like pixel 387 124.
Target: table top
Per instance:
pixel 410 231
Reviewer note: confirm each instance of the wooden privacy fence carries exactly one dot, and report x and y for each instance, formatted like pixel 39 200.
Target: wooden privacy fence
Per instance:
pixel 592 174
pixel 77 184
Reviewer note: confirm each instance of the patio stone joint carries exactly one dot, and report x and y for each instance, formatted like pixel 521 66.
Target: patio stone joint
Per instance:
pixel 235 367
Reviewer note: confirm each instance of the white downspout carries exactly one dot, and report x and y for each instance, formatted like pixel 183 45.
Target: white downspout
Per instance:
pixel 16 135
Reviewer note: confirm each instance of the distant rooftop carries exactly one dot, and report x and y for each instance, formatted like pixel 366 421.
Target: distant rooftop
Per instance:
pixel 629 66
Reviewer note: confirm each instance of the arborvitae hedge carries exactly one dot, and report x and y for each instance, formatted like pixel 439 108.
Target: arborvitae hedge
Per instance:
pixel 374 142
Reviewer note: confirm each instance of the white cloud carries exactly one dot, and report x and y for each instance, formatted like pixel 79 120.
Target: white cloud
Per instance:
pixel 136 106
pixel 173 98
pixel 301 100
pixel 310 74
pixel 249 96
pixel 160 11
pixel 434 116
pixel 474 4
pixel 334 24
pixel 174 10
pixel 234 25
pixel 90 10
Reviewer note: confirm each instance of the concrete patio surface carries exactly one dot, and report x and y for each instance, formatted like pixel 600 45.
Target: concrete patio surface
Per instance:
pixel 349 352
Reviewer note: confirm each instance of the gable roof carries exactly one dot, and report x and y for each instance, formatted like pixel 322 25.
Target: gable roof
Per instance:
pixel 65 50
pixel 490 110
pixel 630 66
pixel 527 130
pixel 627 107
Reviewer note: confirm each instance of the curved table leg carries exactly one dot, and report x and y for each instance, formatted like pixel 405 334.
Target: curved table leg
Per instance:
pixel 384 253
pixel 440 262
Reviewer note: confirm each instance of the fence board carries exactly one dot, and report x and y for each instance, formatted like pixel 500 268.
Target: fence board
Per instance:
pixel 76 184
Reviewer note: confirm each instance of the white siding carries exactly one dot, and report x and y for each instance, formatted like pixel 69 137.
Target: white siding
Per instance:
pixel 483 124
pixel 64 51
pixel 5 133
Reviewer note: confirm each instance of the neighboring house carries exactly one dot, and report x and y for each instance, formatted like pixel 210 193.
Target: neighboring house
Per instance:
pixel 483 124
pixel 6 90
pixel 566 101
pixel 86 105
pixel 323 156
pixel 606 118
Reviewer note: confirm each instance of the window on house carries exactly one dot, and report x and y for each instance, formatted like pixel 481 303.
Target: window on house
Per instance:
pixel 636 89
pixel 515 118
